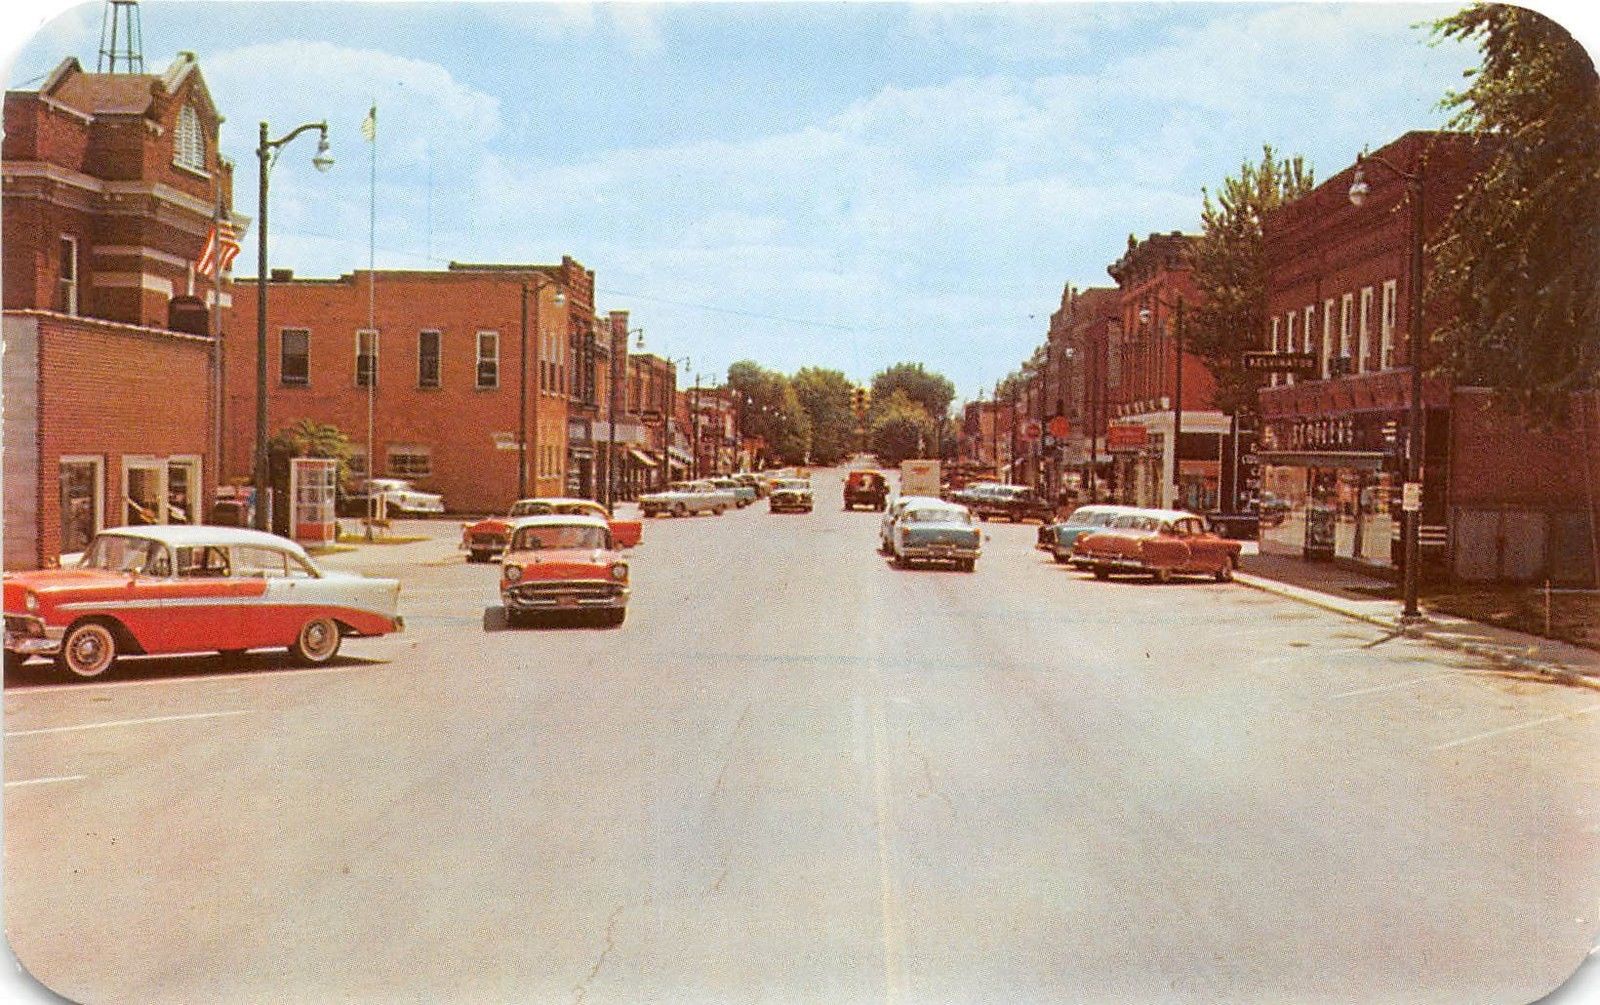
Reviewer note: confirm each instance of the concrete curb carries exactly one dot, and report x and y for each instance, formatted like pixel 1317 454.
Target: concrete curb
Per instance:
pixel 1554 671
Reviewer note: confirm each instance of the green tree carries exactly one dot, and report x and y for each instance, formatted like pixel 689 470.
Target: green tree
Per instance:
pixel 309 438
pixel 1521 257
pixel 1230 275
pixel 932 391
pixel 901 428
pixel 769 409
pixel 825 395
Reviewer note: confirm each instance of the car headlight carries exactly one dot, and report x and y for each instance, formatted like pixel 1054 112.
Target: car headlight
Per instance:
pixel 513 573
pixel 619 571
pixel 30 600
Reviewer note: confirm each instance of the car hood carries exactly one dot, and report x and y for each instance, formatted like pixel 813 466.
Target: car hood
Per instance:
pixel 556 563
pixel 489 525
pixel 44 581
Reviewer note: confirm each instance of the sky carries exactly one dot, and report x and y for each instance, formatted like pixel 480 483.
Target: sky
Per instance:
pixel 839 185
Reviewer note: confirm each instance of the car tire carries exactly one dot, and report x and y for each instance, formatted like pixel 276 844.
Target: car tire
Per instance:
pixel 13 662
pixel 900 563
pixel 717 510
pixel 984 517
pixel 1060 559
pixel 479 556
pixel 1162 576
pixel 317 643
pixel 968 564
pixel 613 618
pixel 88 650
pixel 1225 574
pixel 1101 572
pixel 679 509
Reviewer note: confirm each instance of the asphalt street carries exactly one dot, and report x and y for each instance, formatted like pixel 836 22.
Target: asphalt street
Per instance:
pixel 799 774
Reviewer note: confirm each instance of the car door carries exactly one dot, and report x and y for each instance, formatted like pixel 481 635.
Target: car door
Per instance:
pixel 206 606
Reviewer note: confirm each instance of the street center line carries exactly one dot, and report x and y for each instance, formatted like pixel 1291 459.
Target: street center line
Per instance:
pixel 42 781
pixel 127 722
pixel 1519 726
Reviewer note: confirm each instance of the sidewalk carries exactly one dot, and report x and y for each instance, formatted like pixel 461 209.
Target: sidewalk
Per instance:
pixel 1344 592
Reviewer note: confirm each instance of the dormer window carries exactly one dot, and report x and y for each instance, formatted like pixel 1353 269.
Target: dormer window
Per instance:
pixel 189 144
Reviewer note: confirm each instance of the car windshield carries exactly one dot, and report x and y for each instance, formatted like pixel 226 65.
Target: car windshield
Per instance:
pixel 122 553
pixel 795 486
pixel 1133 521
pixel 684 487
pixel 938 516
pixel 557 537
pixel 530 508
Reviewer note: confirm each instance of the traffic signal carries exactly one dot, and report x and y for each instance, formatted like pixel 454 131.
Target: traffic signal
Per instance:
pixel 858 402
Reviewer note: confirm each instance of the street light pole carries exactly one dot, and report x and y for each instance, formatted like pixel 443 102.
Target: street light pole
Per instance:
pixel 1410 517
pixel 266 152
pixel 524 447
pixel 1177 412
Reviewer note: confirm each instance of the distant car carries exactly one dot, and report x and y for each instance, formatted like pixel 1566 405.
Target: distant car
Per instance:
pixel 891 513
pixel 1272 509
pixel 1059 537
pixel 488 537
pixel 969 494
pixel 936 531
pixel 790 495
pixel 560 563
pixel 753 480
pixel 400 497
pixel 866 488
pixel 1011 502
pixel 685 498
pixel 185 588
pixel 743 495
pixel 1157 543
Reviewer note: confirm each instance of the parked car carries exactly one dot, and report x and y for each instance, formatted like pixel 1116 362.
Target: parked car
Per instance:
pixel 753 480
pixel 790 495
pixel 891 513
pixel 866 488
pixel 563 563
pixel 488 537
pixel 743 495
pixel 969 494
pixel 1011 502
pixel 684 498
pixel 1157 543
pixel 932 530
pixel 186 588
pixel 401 498
pixel 1059 537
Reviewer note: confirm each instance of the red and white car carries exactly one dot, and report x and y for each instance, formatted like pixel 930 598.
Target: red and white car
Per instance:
pixel 563 564
pixel 187 589
pixel 1159 543
pixel 487 538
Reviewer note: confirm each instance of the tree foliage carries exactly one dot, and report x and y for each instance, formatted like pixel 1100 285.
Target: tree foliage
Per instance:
pixel 310 438
pixel 1521 258
pixel 1229 271
pixel 932 391
pixel 770 409
pixel 901 428
pixel 825 396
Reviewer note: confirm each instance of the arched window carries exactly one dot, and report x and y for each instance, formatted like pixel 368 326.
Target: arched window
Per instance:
pixel 189 145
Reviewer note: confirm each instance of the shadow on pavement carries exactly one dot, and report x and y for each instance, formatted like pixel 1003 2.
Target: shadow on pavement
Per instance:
pixel 39 672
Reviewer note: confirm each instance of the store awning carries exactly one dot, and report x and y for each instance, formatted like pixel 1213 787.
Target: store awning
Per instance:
pixel 681 456
pixel 640 457
pixel 1366 460
pixel 677 465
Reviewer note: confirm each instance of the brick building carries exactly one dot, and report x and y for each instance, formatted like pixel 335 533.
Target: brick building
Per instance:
pixel 111 183
pixel 1499 500
pixel 1081 329
pixel 468 402
pixel 1154 282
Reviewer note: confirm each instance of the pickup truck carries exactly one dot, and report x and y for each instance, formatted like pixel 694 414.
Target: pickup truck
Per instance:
pixel 684 498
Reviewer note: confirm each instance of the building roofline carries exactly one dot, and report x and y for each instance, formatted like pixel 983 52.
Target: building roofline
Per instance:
pixel 122 326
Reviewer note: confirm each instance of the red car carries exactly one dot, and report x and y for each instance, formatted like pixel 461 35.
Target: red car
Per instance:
pixel 1159 543
pixel 563 564
pixel 487 538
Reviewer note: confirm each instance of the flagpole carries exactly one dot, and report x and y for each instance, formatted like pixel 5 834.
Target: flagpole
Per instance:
pixel 369 128
pixel 216 337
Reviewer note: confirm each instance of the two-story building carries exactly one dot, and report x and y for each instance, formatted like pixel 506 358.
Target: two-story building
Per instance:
pixel 112 184
pixel 1081 329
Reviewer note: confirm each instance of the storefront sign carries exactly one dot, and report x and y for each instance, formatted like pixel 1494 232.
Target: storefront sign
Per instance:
pixel 1126 436
pixel 1059 427
pixel 1299 363
pixel 1363 431
pixel 1411 497
pixel 504 441
pixel 1031 429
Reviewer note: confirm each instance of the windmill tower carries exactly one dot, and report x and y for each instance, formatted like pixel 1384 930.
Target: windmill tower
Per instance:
pixel 120 38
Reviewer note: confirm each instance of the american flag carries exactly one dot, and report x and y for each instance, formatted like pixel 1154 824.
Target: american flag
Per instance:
pixel 221 247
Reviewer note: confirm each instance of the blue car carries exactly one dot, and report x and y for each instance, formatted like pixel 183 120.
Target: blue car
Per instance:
pixel 936 531
pixel 1058 538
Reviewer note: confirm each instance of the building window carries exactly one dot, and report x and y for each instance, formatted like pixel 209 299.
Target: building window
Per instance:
pixel 1327 338
pixel 1386 327
pixel 1277 347
pixel 488 359
pixel 189 144
pixel 142 495
pixel 1346 303
pixel 294 356
pixel 183 490
pixel 356 463
pixel 82 501
pixel 1363 338
pixel 1289 340
pixel 427 359
pixel 409 461
pixel 67 299
pixel 366 357
pixel 1307 320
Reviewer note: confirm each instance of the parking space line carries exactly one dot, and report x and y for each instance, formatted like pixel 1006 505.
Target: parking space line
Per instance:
pixel 1519 726
pixel 43 781
pixel 126 722
pixel 1391 686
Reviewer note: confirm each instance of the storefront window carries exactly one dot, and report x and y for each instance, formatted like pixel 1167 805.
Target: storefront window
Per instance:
pixel 80 503
pixel 182 490
pixel 142 498
pixel 1282 509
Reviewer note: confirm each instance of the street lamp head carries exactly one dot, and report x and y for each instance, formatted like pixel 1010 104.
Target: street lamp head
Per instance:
pixel 640 343
pixel 1144 315
pixel 1359 187
pixel 323 159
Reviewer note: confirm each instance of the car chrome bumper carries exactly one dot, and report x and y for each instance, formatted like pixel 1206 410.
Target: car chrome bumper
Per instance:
pixel 29 636
pixel 937 554
pixel 1116 563
pixel 565 601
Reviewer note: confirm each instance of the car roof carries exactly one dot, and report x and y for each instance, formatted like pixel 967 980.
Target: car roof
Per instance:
pixel 557 501
pixel 925 503
pixel 1163 514
pixel 560 520
pixel 181 534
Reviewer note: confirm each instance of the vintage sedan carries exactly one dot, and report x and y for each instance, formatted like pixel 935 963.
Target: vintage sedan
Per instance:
pixel 488 537
pixel 891 513
pixel 936 531
pixel 400 498
pixel 1011 502
pixel 185 589
pixel 743 495
pixel 790 495
pixel 756 482
pixel 1159 543
pixel 1059 537
pixel 684 498
pixel 563 564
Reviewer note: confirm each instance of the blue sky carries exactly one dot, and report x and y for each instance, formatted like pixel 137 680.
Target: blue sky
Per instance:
pixel 800 184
